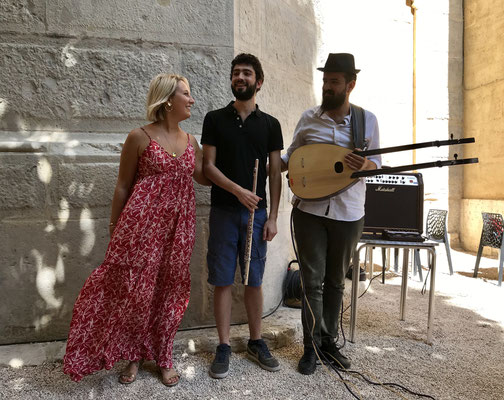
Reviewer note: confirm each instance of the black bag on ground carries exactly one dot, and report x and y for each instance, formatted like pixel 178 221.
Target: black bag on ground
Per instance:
pixel 293 292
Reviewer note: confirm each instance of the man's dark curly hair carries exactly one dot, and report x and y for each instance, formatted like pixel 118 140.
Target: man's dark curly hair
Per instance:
pixel 248 59
pixel 350 76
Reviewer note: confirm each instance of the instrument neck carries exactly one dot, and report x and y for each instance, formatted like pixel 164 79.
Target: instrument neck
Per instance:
pixel 436 143
pixel 411 167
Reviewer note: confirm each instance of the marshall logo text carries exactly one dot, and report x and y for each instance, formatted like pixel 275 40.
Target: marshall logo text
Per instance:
pixel 384 189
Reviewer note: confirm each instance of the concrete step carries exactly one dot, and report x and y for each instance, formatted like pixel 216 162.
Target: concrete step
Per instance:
pixel 280 329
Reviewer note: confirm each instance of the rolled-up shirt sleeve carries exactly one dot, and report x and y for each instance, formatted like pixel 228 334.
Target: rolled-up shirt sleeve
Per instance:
pixel 297 139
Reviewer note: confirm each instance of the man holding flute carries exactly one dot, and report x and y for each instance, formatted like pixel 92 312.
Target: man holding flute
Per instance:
pixel 233 138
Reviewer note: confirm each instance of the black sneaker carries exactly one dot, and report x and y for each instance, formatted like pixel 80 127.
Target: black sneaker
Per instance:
pixel 220 365
pixel 332 352
pixel 258 351
pixel 308 363
pixel 362 274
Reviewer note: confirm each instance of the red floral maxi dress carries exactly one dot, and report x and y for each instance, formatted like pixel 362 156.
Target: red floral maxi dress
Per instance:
pixel 131 306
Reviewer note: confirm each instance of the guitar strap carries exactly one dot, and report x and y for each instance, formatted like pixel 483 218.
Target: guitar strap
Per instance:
pixel 358 122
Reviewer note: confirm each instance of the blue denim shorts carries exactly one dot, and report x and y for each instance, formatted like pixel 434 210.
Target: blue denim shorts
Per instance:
pixel 226 244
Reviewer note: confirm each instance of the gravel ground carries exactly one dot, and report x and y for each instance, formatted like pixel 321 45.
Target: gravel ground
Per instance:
pixel 465 361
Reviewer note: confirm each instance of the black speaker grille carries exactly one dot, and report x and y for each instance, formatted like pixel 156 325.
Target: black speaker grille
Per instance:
pixel 394 204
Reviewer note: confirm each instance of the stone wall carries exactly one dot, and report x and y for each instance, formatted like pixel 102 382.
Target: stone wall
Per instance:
pixel 73 81
pixel 284 35
pixel 440 104
pixel 483 117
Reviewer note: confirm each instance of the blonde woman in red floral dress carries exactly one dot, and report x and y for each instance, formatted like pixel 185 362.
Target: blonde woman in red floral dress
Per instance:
pixel 131 306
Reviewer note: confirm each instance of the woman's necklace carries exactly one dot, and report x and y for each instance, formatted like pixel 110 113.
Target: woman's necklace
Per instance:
pixel 169 151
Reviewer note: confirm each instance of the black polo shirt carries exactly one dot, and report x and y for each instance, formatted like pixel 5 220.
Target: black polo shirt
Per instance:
pixel 238 143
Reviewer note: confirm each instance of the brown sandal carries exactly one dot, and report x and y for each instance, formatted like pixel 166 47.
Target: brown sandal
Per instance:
pixel 170 381
pixel 127 377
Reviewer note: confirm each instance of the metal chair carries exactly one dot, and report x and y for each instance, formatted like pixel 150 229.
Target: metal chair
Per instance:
pixel 491 235
pixel 435 230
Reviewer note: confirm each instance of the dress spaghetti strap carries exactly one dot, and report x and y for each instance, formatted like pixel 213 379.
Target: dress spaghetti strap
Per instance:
pixel 145 132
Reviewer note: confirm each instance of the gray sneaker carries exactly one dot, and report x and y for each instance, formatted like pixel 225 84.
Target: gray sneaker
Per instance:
pixel 257 350
pixel 220 365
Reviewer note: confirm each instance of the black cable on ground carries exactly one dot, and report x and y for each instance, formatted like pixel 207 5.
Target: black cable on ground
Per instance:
pixel 389 384
pixel 364 292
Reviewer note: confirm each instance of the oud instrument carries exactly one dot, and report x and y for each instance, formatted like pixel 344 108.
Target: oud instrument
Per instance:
pixel 318 171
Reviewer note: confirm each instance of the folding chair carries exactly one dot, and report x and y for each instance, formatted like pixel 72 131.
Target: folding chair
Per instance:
pixel 491 235
pixel 435 230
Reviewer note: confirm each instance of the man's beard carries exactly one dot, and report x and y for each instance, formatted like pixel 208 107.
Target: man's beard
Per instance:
pixel 331 100
pixel 246 94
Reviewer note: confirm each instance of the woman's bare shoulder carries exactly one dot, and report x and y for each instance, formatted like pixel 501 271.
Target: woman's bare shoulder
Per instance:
pixel 138 139
pixel 193 140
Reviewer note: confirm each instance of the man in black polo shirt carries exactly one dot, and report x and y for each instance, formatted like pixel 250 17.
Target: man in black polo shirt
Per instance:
pixel 233 138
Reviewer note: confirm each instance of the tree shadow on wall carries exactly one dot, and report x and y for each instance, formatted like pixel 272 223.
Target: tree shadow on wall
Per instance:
pixel 51 247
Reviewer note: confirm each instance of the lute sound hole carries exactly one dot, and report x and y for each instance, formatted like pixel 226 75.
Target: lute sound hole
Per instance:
pixel 338 167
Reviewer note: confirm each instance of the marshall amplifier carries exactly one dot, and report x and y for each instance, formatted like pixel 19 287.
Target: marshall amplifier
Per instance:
pixel 394 203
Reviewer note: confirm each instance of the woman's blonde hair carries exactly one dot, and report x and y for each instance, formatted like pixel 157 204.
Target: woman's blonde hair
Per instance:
pixel 161 89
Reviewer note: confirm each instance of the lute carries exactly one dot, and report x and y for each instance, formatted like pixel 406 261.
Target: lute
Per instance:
pixel 318 171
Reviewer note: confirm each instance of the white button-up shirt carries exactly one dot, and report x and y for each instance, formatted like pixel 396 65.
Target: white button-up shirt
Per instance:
pixel 315 126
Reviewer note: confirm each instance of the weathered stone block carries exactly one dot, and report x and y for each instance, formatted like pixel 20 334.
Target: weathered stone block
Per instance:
pixel 249 17
pixel 485 123
pixel 483 46
pixel 200 309
pixel 296 99
pixel 164 21
pixel 280 253
pixel 87 185
pixel 45 266
pixel 22 187
pixel 208 71
pixel 294 44
pixel 202 195
pixel 77 84
pixel 22 16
